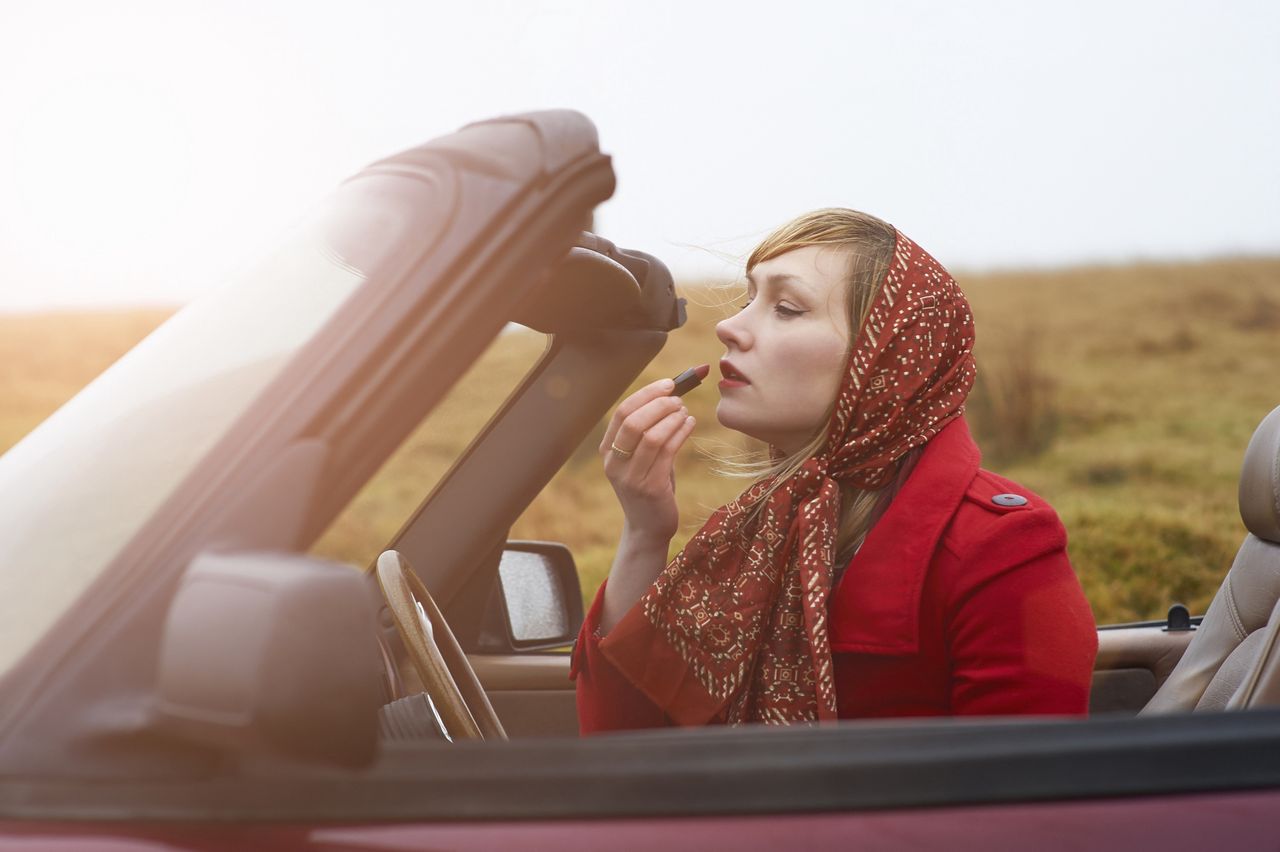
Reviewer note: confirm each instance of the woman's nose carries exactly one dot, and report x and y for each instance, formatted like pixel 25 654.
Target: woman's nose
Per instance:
pixel 733 333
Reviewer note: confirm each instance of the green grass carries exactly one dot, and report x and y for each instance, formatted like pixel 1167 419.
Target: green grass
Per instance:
pixel 1124 395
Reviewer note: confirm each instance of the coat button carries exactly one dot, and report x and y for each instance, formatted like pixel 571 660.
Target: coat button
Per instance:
pixel 1009 500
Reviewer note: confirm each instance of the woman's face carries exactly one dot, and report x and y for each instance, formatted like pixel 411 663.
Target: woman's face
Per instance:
pixel 785 349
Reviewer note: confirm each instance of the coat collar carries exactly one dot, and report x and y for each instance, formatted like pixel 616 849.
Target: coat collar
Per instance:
pixel 876 606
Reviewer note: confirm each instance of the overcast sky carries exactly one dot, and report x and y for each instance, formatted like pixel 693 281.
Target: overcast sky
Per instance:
pixel 149 148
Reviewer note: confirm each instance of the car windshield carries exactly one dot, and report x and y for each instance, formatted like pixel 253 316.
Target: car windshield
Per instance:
pixel 77 489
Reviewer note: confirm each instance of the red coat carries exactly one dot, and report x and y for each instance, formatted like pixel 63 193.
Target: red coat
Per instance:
pixel 956 603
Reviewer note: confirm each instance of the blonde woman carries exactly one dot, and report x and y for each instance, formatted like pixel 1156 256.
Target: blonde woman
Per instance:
pixel 874 569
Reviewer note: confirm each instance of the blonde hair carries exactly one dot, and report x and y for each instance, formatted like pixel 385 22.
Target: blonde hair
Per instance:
pixel 869 243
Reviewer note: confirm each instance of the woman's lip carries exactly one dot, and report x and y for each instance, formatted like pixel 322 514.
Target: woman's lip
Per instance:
pixel 732 375
pixel 726 384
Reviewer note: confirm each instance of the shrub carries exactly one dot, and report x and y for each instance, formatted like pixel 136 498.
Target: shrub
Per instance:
pixel 1013 406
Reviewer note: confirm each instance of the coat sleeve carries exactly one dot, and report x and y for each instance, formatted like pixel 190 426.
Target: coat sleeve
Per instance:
pixel 607 701
pixel 1021 635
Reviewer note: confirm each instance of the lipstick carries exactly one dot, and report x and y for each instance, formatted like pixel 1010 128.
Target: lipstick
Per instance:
pixel 690 379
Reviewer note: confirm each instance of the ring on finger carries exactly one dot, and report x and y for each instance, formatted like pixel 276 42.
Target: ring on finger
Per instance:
pixel 621 453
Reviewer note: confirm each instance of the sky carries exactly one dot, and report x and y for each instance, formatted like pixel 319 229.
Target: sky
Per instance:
pixel 148 150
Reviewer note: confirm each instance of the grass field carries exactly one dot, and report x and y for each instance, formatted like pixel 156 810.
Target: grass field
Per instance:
pixel 1124 395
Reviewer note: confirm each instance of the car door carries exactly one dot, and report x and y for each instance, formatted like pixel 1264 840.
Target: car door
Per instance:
pixel 1135 659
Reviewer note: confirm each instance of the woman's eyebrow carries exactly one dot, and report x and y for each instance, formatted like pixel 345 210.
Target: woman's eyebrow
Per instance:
pixel 784 281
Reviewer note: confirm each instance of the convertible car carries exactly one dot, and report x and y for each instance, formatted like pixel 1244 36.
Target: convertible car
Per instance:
pixel 179 671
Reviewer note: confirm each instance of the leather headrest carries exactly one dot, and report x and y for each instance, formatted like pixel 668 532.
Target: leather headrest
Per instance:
pixel 1260 480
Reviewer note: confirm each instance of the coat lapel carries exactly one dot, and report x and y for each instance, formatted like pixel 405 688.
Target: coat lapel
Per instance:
pixel 876 606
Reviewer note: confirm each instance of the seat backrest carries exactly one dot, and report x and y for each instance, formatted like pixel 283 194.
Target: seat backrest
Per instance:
pixel 1224 666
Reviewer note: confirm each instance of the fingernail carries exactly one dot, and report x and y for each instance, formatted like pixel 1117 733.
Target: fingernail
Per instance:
pixel 668 384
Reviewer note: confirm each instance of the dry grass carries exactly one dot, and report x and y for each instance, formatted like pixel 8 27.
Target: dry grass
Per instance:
pixel 46 358
pixel 1123 395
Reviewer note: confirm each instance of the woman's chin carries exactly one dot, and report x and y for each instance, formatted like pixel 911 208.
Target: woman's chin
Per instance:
pixel 732 417
pixel 724 415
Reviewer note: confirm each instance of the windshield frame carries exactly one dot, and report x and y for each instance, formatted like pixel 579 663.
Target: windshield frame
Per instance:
pixel 401 339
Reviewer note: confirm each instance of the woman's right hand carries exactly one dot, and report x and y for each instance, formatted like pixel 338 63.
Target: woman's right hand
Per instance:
pixel 639 450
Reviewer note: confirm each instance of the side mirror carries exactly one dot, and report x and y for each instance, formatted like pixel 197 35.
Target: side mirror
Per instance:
pixel 536 603
pixel 272 652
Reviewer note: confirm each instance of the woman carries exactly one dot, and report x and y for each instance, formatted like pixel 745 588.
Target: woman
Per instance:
pixel 874 569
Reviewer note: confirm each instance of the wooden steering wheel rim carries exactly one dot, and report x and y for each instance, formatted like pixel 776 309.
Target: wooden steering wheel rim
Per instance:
pixel 448 677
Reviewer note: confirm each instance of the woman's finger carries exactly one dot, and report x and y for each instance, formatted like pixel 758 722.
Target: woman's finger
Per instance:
pixel 643 419
pixel 633 403
pixel 652 442
pixel 663 465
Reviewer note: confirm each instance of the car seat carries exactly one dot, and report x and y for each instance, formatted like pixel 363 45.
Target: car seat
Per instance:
pixel 1232 662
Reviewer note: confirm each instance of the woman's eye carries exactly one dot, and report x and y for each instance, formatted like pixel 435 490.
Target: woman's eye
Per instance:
pixel 780 309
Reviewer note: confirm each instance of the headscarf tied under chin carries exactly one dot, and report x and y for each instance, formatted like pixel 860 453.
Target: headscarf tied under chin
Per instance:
pixel 735 628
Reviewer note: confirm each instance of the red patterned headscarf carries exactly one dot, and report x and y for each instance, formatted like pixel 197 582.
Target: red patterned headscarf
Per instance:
pixel 735 628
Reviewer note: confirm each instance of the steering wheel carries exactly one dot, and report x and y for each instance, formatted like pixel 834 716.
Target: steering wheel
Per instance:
pixel 438 658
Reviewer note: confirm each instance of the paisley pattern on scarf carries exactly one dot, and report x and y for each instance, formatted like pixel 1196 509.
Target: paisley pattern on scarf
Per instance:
pixel 735 628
